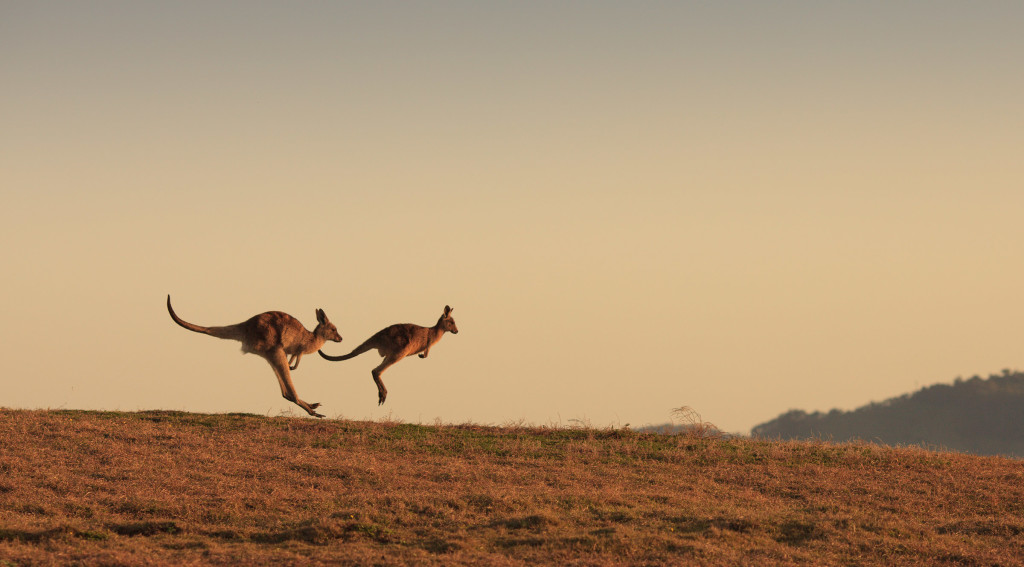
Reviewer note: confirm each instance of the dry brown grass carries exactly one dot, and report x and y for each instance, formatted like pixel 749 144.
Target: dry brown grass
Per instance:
pixel 176 488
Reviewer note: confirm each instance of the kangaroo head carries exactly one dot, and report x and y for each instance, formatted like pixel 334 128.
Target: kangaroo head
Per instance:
pixel 446 323
pixel 326 329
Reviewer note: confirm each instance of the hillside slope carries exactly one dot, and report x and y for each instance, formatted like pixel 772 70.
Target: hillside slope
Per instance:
pixel 176 488
pixel 984 417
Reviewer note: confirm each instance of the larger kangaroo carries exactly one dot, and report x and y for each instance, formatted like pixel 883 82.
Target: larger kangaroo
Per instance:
pixel 275 336
pixel 399 341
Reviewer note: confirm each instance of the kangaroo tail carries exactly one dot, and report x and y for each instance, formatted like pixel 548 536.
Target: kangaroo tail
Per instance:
pixel 183 323
pixel 233 332
pixel 355 352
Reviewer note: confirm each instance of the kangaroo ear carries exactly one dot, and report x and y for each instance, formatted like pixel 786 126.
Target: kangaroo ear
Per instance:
pixel 321 316
pixel 447 310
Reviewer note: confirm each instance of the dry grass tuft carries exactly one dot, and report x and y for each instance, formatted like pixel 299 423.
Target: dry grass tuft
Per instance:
pixel 693 425
pixel 176 488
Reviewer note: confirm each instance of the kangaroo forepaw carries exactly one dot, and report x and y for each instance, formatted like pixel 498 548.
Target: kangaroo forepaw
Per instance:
pixel 423 356
pixel 381 396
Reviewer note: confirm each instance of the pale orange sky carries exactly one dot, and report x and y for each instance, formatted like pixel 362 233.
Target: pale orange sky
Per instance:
pixel 735 207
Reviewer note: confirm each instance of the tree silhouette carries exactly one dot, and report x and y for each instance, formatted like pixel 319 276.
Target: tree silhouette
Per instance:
pixel 981 416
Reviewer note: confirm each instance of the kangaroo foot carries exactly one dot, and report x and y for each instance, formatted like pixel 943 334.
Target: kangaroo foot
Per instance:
pixel 311 411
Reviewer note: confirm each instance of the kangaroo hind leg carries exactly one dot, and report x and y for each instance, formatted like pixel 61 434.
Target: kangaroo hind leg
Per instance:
pixel 279 362
pixel 382 392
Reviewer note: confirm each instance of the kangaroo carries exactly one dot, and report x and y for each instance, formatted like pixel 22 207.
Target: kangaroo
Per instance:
pixel 399 341
pixel 274 336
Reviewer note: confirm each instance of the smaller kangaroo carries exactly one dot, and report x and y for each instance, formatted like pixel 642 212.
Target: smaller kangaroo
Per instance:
pixel 399 341
pixel 274 336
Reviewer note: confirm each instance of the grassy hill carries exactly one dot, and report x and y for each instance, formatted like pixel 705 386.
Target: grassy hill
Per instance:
pixel 179 488
pixel 981 416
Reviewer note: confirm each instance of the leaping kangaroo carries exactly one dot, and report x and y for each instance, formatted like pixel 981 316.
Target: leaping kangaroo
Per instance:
pixel 274 336
pixel 399 341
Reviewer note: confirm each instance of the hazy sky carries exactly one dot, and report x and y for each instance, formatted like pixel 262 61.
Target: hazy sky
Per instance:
pixel 741 207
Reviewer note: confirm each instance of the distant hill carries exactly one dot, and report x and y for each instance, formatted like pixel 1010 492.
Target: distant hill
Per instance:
pixel 980 416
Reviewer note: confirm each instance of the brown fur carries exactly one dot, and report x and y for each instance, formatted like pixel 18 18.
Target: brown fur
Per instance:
pixel 399 341
pixel 274 336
